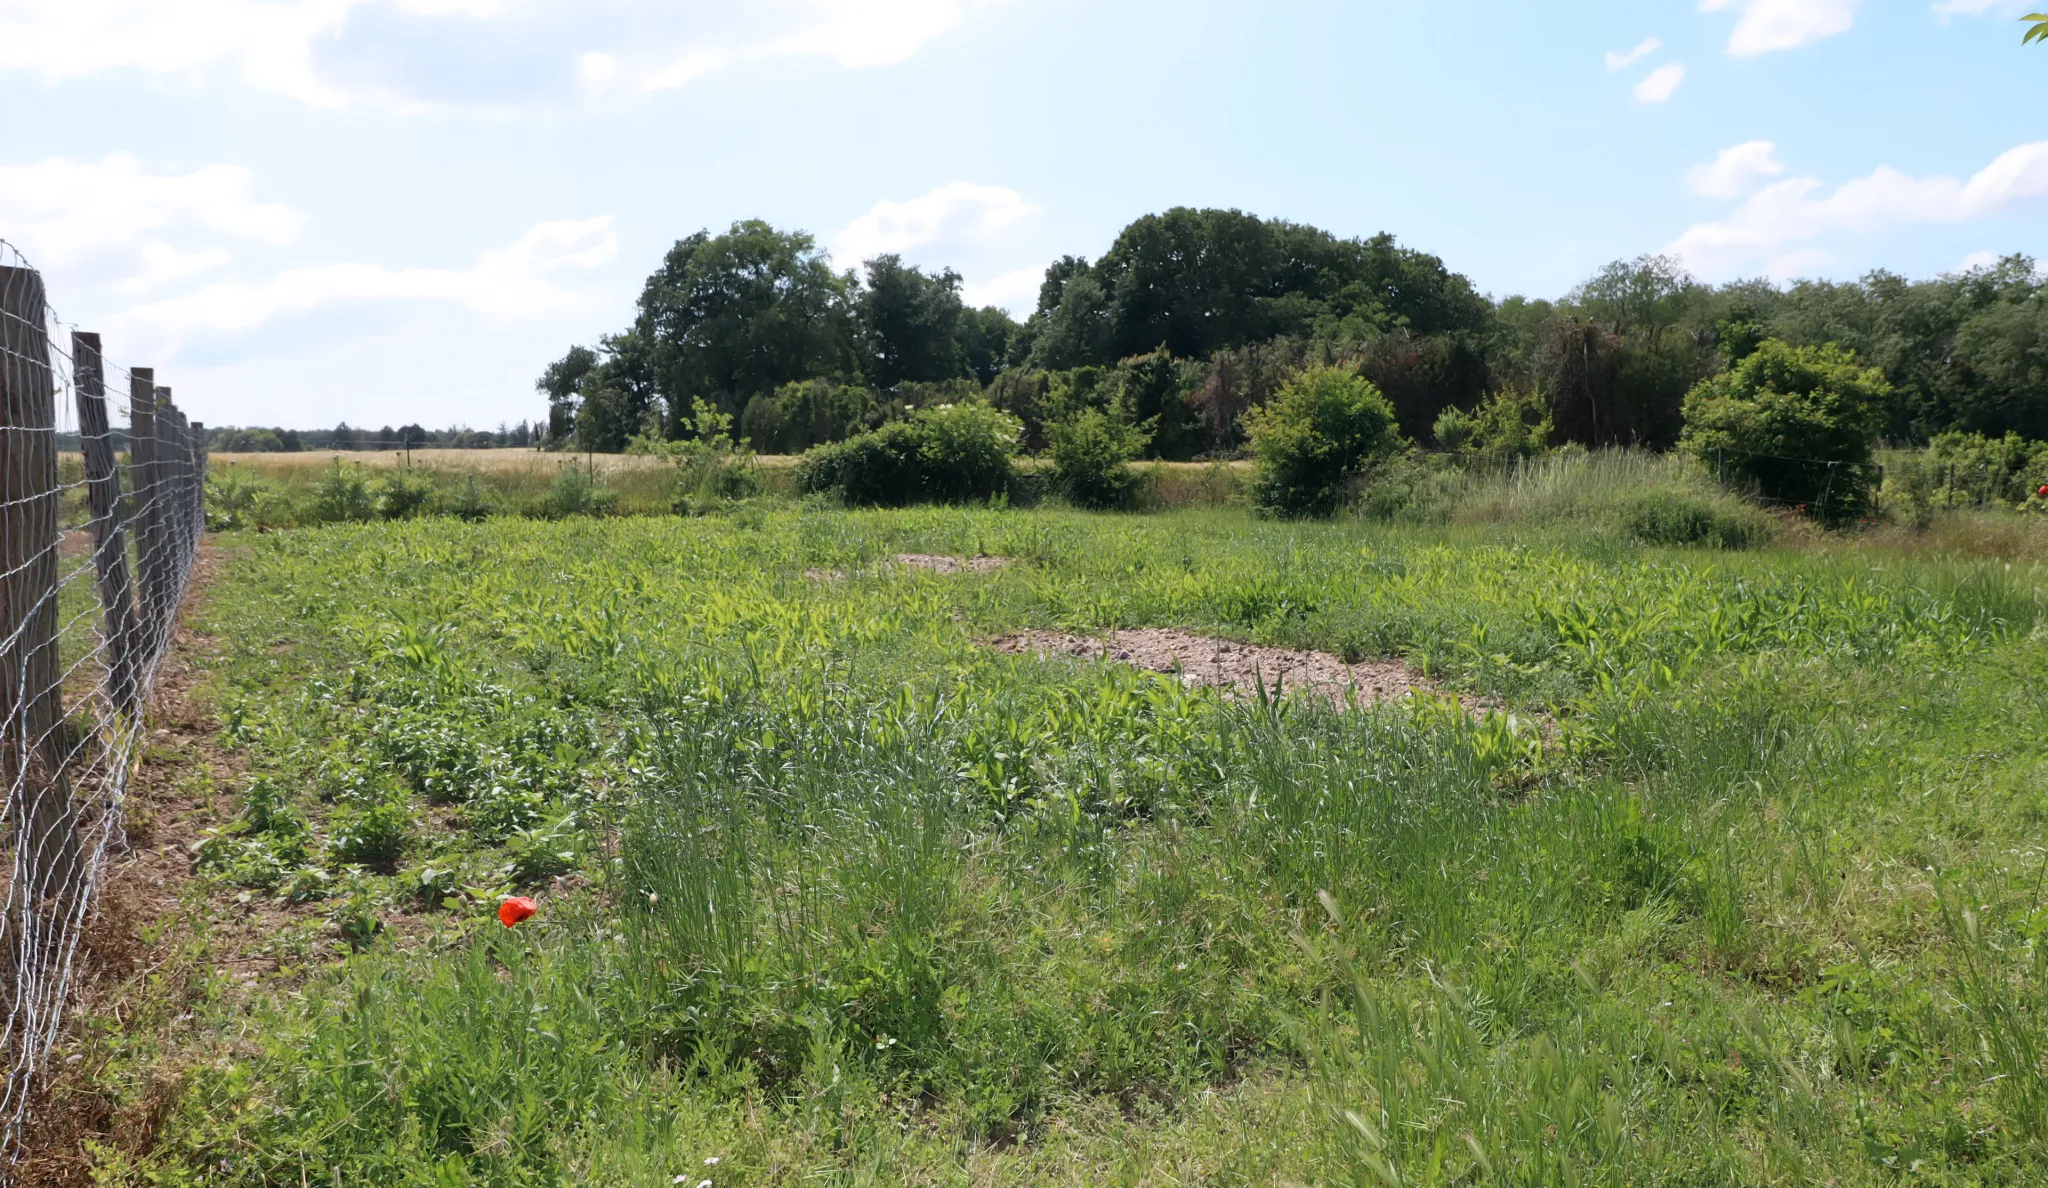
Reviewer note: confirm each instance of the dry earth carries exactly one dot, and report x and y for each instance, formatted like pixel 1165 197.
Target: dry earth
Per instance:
pixel 1239 668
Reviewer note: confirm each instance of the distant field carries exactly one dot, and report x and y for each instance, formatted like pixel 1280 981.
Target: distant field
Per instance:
pixel 503 459
pixel 433 459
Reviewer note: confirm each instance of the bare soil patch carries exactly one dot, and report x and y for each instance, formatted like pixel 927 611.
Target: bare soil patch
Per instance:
pixel 140 932
pixel 1238 668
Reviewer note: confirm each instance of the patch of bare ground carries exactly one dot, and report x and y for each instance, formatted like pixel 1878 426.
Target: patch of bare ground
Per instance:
pixel 1237 668
pixel 158 940
pixel 929 562
pixel 136 945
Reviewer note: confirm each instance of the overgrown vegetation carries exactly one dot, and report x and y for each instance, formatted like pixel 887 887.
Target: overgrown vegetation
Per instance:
pixel 1736 884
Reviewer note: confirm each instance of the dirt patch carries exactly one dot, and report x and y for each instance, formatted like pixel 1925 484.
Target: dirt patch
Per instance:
pixel 134 937
pixel 1238 668
pixel 929 562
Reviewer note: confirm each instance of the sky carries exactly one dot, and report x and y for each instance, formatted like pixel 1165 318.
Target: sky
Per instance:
pixel 390 211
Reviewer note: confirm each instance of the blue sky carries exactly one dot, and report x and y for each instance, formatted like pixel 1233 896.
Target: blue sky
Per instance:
pixel 303 211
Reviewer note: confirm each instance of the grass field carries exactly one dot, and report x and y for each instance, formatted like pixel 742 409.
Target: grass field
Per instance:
pixel 1740 883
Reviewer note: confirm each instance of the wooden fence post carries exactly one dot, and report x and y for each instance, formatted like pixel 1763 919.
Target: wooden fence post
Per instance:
pixel 171 499
pixel 170 420
pixel 47 853
pixel 198 484
pixel 148 517
pixel 109 528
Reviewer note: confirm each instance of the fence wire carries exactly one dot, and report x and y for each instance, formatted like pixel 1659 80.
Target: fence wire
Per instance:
pixel 95 557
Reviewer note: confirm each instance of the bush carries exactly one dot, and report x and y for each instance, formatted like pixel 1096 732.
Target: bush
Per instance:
pixel 948 454
pixel 1091 459
pixel 1675 518
pixel 375 836
pixel 575 493
pixel 403 496
pixel 1413 489
pixel 1508 427
pixel 796 417
pixel 470 502
pixel 1795 423
pixel 1321 431
pixel 231 497
pixel 344 496
pixel 714 470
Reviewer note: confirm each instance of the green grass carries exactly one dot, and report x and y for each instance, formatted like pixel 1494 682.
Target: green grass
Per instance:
pixel 1742 884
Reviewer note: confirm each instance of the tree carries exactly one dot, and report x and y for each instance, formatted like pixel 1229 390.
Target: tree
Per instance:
pixel 1076 332
pixel 731 316
pixel 559 383
pixel 1797 422
pixel 986 338
pixel 606 418
pixel 2039 31
pixel 1200 281
pixel 909 323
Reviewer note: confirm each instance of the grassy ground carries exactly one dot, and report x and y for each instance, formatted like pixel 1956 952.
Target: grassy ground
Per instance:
pixel 1743 885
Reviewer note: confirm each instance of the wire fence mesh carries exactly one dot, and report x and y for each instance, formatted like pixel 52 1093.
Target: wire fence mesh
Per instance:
pixel 95 557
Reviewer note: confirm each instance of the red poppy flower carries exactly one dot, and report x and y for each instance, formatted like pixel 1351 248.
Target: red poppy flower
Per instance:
pixel 2043 492
pixel 516 909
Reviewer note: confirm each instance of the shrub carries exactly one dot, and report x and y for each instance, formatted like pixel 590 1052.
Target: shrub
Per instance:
pixel 798 416
pixel 374 836
pixel 1319 433
pixel 403 496
pixel 947 454
pixel 1676 518
pixel 880 466
pixel 1413 489
pixel 1796 423
pixel 1506 428
pixel 344 496
pixel 470 502
pixel 714 469
pixel 575 493
pixel 1091 458
pixel 231 497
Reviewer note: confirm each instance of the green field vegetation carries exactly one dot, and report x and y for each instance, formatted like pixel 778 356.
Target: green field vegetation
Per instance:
pixel 1740 883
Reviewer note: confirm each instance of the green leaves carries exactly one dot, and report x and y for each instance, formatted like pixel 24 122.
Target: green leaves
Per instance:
pixel 2039 32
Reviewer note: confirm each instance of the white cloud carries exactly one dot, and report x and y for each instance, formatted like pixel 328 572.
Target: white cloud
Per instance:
pixel 953 215
pixel 1650 45
pixel 1016 291
pixel 416 53
pixel 1659 84
pixel 505 284
pixel 1798 211
pixel 112 223
pixel 1769 25
pixel 268 44
pixel 1952 8
pixel 1977 260
pixel 1737 171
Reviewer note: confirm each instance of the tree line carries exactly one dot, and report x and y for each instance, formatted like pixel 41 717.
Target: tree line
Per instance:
pixel 1194 317
pixel 257 440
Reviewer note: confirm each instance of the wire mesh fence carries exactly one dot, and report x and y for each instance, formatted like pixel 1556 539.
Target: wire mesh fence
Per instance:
pixel 95 557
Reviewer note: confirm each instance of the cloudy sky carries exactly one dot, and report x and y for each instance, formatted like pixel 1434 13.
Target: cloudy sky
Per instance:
pixel 302 211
